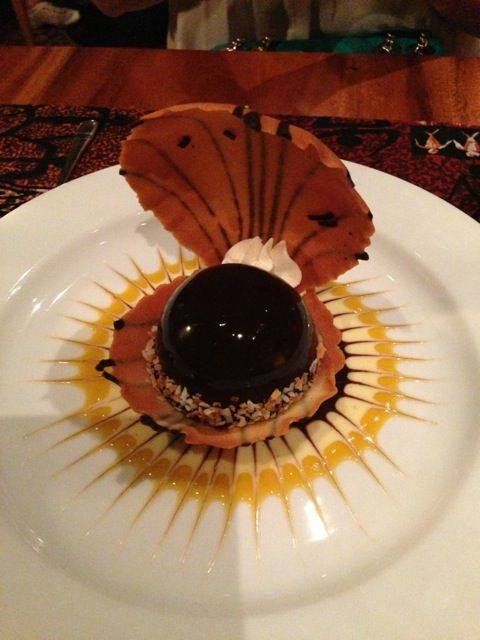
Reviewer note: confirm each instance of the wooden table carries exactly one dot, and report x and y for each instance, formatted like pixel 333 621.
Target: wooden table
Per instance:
pixel 394 87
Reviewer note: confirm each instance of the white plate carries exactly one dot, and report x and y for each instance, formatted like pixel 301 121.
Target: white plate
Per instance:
pixel 406 566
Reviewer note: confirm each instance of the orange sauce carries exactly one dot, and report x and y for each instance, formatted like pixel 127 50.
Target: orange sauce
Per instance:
pixel 202 474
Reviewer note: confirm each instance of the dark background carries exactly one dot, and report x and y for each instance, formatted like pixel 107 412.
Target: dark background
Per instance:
pixel 138 29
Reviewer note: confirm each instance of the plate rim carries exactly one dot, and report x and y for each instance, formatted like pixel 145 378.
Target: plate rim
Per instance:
pixel 20 217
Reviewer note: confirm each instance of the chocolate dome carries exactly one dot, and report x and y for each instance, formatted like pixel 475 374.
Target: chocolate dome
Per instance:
pixel 234 333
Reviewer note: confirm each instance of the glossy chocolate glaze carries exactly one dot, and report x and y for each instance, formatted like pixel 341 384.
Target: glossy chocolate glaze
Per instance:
pixel 235 332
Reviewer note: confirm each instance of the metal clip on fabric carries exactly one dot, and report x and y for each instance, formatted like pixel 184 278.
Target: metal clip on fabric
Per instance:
pixel 267 44
pixel 236 44
pixel 389 44
pixel 422 47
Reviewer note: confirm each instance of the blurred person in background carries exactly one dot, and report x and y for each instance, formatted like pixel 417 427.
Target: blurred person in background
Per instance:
pixel 203 24
pixel 142 28
pixel 42 12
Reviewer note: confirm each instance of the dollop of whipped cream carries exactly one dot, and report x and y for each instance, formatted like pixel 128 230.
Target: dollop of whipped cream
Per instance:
pixel 274 259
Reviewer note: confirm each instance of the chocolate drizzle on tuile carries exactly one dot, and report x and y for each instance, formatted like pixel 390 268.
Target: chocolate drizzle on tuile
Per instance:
pixel 103 364
pixel 238 111
pixel 184 141
pixel 150 422
pixel 230 134
pixel 283 130
pixel 363 255
pixel 327 219
pixel 252 120
pixel 110 377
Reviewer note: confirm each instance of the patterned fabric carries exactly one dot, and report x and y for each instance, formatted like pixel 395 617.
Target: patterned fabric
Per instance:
pixel 35 139
pixel 444 160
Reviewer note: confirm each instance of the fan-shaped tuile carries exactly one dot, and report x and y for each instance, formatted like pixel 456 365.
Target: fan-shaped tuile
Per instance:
pixel 215 174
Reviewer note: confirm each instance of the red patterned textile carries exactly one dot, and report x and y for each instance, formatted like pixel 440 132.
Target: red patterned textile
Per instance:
pixel 442 159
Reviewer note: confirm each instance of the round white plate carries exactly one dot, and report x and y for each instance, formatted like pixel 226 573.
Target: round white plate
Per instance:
pixel 395 559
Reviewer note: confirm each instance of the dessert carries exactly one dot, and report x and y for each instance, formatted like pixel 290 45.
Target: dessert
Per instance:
pixel 235 354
